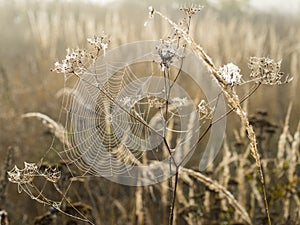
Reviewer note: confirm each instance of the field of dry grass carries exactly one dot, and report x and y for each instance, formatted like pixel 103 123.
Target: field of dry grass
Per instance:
pixel 35 35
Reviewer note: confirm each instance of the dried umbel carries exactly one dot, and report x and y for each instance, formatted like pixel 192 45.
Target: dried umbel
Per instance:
pixel 100 43
pixel 191 10
pixel 77 60
pixel 167 50
pixel 29 172
pixel 73 63
pixel 51 174
pixel 23 176
pixel 267 71
pixel 231 74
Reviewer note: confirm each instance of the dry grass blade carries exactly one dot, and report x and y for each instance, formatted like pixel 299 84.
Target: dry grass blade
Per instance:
pixel 4 174
pixel 139 212
pixel 215 186
pixel 56 128
pixel 293 158
pixel 284 137
pixel 3 217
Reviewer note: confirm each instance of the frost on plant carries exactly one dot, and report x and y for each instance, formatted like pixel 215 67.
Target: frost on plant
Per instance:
pixel 52 174
pixel 73 63
pixel 100 43
pixel 167 50
pixel 23 176
pixel 231 74
pixel 78 60
pixel 30 171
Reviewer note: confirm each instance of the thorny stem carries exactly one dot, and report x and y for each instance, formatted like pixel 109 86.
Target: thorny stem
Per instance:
pixel 233 100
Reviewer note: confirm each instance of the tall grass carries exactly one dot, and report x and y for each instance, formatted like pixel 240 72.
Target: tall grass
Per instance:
pixel 42 32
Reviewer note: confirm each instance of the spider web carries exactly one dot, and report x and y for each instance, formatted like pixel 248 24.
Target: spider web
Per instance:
pixel 126 120
pixel 119 114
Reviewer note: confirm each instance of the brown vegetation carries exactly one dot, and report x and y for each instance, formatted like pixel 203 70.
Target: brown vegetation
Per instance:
pixel 228 192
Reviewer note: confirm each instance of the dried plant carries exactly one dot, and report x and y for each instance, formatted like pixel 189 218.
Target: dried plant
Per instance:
pixel 266 71
pixel 57 129
pixel 77 63
pixel 4 175
pixel 215 186
pixel 263 68
pixel 3 217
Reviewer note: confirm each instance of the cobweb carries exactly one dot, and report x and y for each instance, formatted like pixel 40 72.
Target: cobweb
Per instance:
pixel 120 112
pixel 133 116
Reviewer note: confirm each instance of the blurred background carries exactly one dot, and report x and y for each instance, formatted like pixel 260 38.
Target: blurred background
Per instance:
pixel 35 34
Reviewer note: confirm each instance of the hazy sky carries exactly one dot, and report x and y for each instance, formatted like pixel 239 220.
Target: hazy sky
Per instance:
pixel 279 5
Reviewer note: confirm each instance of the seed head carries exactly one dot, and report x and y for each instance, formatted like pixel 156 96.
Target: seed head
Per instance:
pixel 166 50
pixel 231 74
pixel 191 10
pixel 267 71
pixel 100 43
pixel 73 61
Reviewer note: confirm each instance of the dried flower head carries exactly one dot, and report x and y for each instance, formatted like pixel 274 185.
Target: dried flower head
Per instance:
pixel 231 74
pixel 31 170
pixel 191 10
pixel 100 43
pixel 151 12
pixel 167 50
pixel 23 176
pixel 267 71
pixel 77 60
pixel 73 63
pixel 51 174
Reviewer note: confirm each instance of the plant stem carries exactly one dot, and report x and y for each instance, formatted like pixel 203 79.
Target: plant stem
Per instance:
pixel 171 217
pixel 232 99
